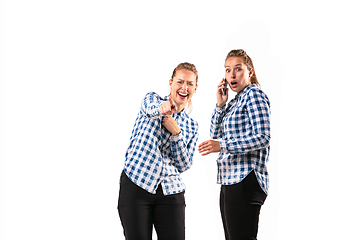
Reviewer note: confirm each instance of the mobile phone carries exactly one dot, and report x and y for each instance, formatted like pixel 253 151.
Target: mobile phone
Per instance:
pixel 225 87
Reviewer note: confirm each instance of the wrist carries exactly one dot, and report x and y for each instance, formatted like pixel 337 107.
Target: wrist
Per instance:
pixel 220 106
pixel 177 133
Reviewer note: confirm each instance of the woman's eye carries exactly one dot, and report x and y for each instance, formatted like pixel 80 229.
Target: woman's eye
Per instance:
pixel 238 69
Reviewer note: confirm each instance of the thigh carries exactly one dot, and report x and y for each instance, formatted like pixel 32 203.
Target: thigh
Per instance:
pixel 242 221
pixel 242 204
pixel 222 211
pixel 135 210
pixel 169 217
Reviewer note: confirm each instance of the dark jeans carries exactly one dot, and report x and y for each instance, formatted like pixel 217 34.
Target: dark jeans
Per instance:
pixel 240 208
pixel 140 210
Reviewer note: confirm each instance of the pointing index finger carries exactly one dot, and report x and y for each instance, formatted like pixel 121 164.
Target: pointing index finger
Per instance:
pixel 173 105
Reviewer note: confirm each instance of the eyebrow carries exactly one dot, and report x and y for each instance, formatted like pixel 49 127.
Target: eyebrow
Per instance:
pixel 185 80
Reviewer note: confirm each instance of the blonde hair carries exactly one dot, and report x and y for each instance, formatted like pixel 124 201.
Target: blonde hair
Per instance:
pixel 191 67
pixel 247 60
pixel 188 66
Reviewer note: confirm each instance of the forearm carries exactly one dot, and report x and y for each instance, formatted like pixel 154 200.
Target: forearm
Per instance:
pixel 182 153
pixel 245 144
pixel 216 119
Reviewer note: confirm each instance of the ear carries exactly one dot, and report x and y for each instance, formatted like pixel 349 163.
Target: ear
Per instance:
pixel 251 72
pixel 170 82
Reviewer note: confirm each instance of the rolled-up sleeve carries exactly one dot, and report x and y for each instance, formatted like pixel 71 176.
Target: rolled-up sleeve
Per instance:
pixel 150 105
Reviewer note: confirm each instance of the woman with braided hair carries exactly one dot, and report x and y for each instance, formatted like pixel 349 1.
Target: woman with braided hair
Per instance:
pixel 243 127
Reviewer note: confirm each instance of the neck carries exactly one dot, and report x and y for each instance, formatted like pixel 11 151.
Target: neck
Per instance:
pixel 180 107
pixel 244 88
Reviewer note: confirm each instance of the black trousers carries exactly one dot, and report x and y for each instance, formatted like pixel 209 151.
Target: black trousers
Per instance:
pixel 240 208
pixel 140 210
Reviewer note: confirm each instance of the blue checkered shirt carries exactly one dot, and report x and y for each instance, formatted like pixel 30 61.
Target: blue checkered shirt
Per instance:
pixel 156 157
pixel 244 128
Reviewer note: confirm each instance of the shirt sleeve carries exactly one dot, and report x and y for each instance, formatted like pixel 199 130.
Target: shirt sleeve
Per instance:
pixel 183 153
pixel 216 119
pixel 150 105
pixel 258 108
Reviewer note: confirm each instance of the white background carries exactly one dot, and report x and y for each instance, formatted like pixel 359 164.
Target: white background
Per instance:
pixel 75 72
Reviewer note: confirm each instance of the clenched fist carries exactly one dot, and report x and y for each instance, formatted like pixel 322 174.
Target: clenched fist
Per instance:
pixel 171 125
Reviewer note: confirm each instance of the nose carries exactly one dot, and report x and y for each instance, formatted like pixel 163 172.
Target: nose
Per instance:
pixel 184 86
pixel 233 74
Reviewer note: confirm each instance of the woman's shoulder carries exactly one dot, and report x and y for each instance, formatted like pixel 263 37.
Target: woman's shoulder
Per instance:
pixel 257 95
pixel 255 91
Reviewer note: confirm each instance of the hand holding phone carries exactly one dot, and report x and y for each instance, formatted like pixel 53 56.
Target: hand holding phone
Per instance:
pixel 225 87
pixel 221 93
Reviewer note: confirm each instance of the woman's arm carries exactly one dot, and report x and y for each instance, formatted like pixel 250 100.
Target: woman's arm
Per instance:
pixel 218 113
pixel 150 105
pixel 183 153
pixel 171 125
pixel 216 119
pixel 153 106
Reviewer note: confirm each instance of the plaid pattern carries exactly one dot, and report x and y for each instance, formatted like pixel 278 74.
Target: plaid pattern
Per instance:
pixel 156 157
pixel 244 128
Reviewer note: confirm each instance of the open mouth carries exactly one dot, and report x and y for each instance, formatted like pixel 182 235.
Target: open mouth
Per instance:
pixel 233 83
pixel 182 95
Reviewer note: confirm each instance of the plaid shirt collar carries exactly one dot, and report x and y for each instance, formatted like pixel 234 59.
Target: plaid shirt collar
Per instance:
pixel 246 89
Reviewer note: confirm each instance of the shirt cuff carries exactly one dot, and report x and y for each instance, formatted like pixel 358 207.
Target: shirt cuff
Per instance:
pixel 176 137
pixel 223 146
pixel 220 109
